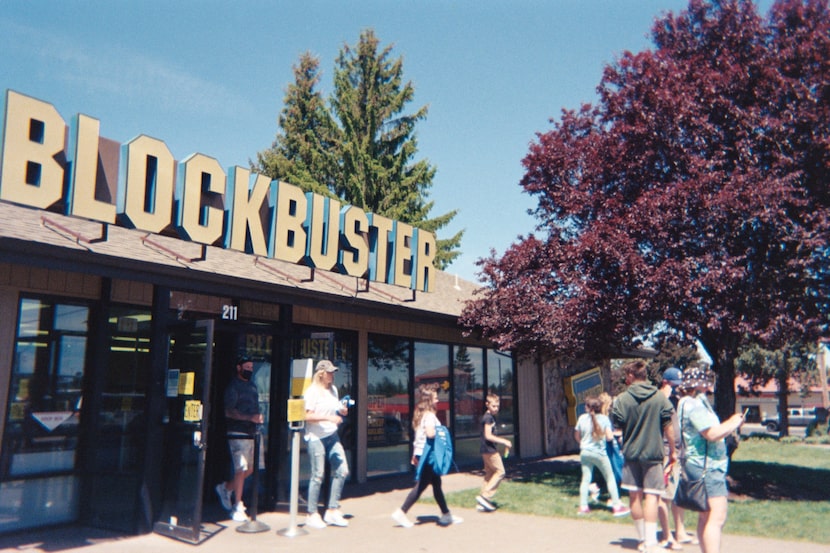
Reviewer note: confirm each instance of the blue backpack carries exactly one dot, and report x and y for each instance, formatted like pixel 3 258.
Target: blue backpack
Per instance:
pixel 437 452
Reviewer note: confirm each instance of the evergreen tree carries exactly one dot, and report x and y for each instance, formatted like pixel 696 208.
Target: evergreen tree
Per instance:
pixel 368 160
pixel 304 151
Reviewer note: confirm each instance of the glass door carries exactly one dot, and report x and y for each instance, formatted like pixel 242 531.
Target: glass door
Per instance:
pixel 185 434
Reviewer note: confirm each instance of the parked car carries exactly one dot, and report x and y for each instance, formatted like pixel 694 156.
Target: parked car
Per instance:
pixel 797 416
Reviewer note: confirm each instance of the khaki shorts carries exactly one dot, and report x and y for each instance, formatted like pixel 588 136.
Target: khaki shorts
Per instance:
pixel 644 476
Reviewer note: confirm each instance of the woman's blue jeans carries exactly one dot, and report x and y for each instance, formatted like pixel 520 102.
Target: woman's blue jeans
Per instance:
pixel 318 450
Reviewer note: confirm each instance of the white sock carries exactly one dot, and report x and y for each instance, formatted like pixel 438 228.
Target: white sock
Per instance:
pixel 639 525
pixel 651 533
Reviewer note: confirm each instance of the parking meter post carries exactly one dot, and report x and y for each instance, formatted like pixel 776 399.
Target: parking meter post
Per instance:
pixel 293 530
pixel 301 370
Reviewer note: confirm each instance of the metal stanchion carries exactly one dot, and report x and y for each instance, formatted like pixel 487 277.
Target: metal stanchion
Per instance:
pixel 292 529
pixel 253 526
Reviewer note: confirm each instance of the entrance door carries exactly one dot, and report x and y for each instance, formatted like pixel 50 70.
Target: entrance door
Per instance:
pixel 189 364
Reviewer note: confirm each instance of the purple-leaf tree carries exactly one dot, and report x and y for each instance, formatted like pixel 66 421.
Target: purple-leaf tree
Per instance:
pixel 692 196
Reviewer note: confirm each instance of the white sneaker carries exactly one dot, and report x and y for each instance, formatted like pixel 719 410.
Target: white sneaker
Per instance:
pixel 334 517
pixel 400 517
pixel 238 513
pixel 224 496
pixel 314 521
pixel 448 518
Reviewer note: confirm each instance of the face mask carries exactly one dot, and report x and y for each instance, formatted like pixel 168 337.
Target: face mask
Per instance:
pixel 246 375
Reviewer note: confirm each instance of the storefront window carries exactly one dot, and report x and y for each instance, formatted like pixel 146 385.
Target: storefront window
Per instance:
pixel 389 422
pixel 468 395
pixel 432 366
pixel 45 401
pixel 340 347
pixel 500 382
pixel 122 421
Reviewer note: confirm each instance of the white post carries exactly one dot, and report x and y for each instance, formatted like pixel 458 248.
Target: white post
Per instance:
pixel 292 529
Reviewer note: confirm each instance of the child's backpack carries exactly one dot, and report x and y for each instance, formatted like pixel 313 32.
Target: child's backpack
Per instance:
pixel 437 452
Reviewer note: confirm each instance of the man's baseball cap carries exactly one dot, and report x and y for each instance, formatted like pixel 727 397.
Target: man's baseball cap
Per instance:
pixel 673 376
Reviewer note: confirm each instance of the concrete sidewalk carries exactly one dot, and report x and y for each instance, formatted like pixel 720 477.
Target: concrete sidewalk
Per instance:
pixel 371 530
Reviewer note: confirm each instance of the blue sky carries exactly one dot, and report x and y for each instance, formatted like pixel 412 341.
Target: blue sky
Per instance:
pixel 210 76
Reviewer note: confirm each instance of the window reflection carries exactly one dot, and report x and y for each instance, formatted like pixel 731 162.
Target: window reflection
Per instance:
pixel 389 423
pixel 432 366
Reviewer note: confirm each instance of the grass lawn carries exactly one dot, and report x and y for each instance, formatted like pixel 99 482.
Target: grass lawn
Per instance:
pixel 777 490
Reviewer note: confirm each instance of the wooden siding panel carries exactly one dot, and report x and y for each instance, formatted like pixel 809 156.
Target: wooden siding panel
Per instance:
pixel 530 409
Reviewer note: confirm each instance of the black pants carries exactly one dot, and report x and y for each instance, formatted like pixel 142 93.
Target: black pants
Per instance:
pixel 428 477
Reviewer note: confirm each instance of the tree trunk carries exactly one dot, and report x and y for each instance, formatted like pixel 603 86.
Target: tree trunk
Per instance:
pixel 782 376
pixel 724 350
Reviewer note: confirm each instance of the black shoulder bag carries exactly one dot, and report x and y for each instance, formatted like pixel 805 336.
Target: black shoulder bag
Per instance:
pixel 691 494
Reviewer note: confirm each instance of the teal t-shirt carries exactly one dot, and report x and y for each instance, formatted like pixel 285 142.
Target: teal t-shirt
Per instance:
pixel 696 415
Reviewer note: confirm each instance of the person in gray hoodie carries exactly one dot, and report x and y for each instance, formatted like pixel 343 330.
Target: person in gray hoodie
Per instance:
pixel 644 415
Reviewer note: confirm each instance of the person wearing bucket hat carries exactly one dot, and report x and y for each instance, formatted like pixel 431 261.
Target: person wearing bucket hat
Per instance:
pixel 704 454
pixel 324 412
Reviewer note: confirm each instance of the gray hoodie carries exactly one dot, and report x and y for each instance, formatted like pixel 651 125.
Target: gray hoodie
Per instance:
pixel 641 412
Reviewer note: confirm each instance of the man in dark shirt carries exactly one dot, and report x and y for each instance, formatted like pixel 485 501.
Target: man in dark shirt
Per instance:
pixel 242 416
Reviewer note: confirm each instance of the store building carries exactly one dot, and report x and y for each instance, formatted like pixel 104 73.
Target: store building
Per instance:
pixel 119 332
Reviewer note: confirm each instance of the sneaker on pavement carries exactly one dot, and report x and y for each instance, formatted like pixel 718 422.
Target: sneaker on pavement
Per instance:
pixel 448 518
pixel 238 513
pixel 620 510
pixel 481 509
pixel 400 517
pixel 224 496
pixel 334 517
pixel 314 520
pixel 484 502
pixel 584 511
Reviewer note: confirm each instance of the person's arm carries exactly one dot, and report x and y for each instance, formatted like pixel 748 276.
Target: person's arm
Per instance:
pixel 671 438
pixel 490 437
pixel 429 426
pixel 312 416
pixel 722 430
pixel 232 413
pixel 236 415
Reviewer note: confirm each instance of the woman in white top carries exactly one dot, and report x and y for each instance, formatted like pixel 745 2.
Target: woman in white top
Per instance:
pixel 323 414
pixel 424 422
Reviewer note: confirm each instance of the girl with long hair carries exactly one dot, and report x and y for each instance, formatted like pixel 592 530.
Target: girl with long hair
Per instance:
pixel 592 430
pixel 424 421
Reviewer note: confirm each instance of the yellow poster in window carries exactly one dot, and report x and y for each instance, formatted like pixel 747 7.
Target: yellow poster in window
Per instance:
pixel 186 381
pixel 192 410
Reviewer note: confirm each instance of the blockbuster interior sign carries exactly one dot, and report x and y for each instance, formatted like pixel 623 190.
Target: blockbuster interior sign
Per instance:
pixel 47 164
